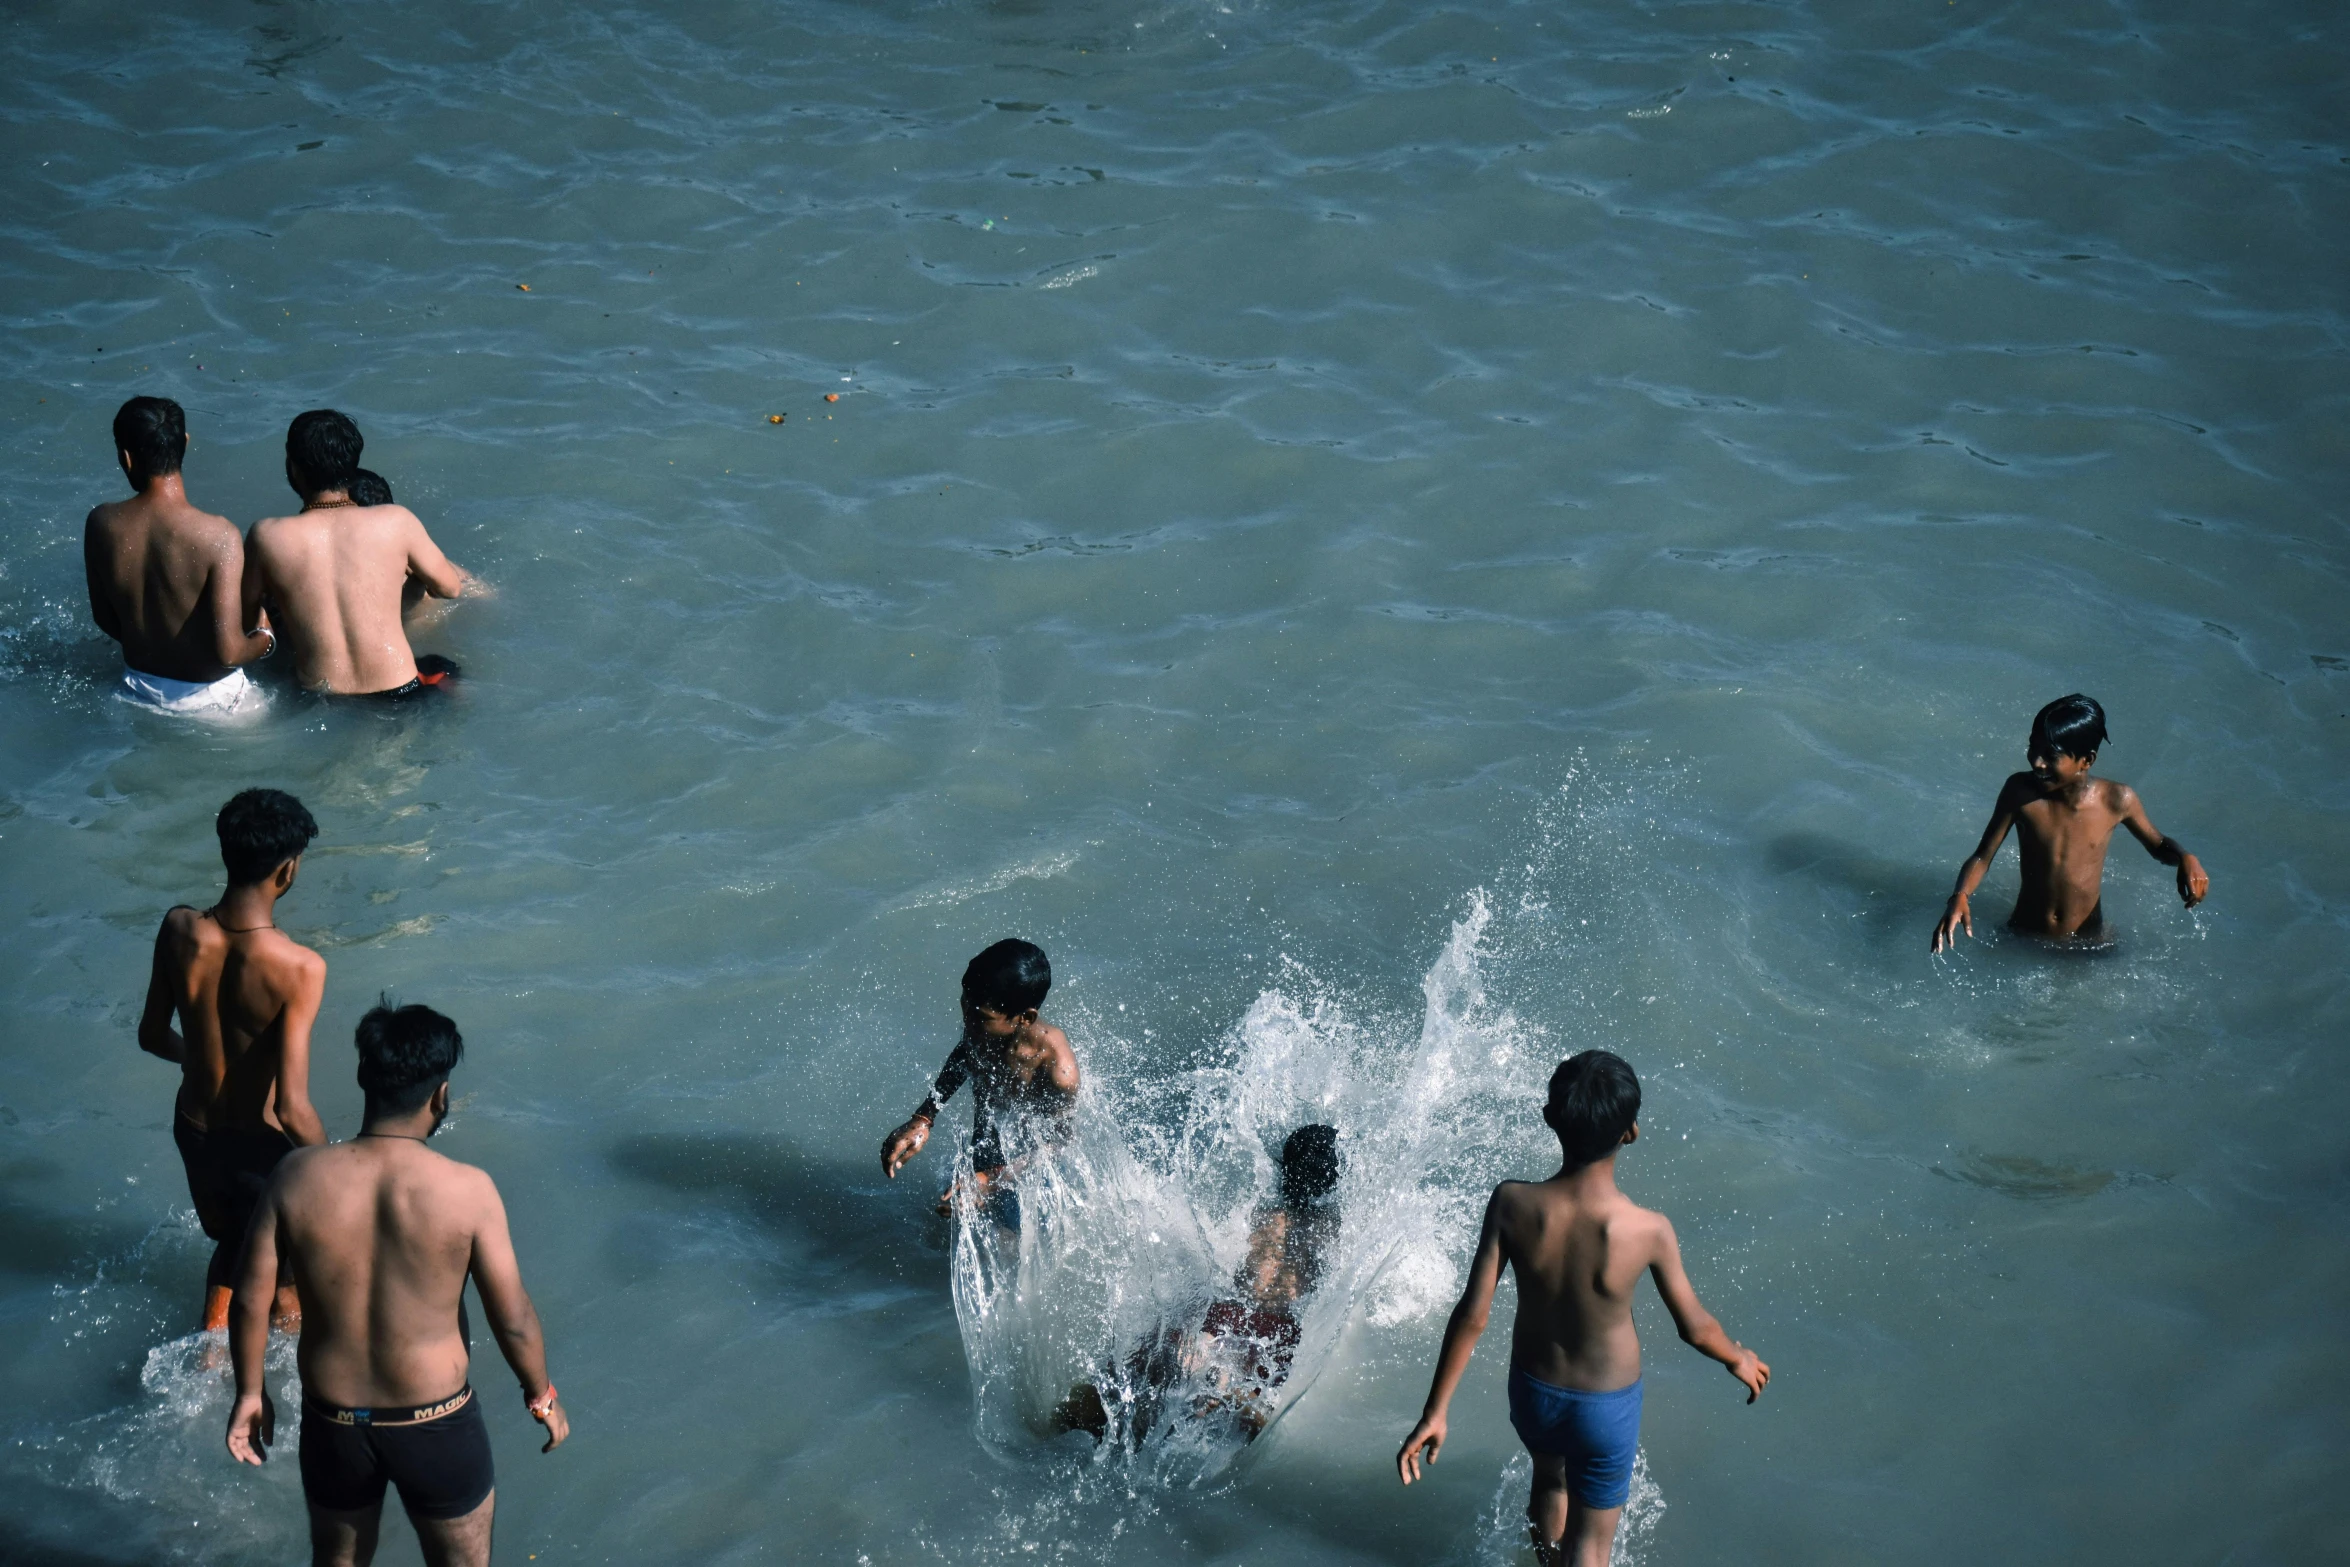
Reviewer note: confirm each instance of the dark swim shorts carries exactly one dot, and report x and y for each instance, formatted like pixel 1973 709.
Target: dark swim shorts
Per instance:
pixel 433 673
pixel 437 1454
pixel 1598 1434
pixel 228 1170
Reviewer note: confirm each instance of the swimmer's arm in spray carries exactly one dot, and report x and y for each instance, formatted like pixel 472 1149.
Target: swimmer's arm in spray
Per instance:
pixel 908 1140
pixel 1460 1341
pixel 1698 1327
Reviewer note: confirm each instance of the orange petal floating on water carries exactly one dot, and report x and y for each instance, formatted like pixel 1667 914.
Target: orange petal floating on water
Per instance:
pixel 832 397
pixel 525 287
pixel 775 418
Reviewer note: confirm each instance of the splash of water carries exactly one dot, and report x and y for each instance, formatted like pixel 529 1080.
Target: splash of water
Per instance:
pixel 1132 1228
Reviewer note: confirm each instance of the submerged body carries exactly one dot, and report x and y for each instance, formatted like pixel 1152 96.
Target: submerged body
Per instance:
pixel 164 582
pixel 2064 821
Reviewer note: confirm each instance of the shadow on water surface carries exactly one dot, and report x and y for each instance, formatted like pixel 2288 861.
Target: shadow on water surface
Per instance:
pixel 853 1221
pixel 1894 889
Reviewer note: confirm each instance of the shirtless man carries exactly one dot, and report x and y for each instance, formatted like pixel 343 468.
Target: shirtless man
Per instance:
pixel 380 1235
pixel 1019 1065
pixel 336 576
pixel 2063 819
pixel 1578 1247
pixel 165 577
pixel 245 995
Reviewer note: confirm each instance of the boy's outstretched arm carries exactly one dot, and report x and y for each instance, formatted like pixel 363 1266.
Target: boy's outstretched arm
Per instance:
pixel 2193 884
pixel 1460 1341
pixel 1970 875
pixel 1697 1326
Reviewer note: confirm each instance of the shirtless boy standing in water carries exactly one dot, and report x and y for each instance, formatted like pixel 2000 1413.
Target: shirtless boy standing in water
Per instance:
pixel 1578 1247
pixel 245 994
pixel 336 576
pixel 380 1234
pixel 2063 819
pixel 1019 1066
pixel 165 578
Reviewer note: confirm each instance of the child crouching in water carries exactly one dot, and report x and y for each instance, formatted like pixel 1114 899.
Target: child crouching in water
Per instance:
pixel 1578 1247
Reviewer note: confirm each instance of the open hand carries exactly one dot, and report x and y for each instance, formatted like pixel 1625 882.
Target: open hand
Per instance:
pixel 1428 1434
pixel 1749 1369
pixel 558 1424
pixel 1958 915
pixel 2193 884
pixel 903 1144
pixel 252 1426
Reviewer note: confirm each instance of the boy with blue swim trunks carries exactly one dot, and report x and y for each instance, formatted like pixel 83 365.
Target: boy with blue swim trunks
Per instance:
pixel 1578 1247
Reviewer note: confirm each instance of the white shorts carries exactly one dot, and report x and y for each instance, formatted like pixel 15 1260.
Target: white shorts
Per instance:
pixel 229 696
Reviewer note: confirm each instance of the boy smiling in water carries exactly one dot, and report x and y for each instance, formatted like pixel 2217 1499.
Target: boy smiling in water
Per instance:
pixel 2063 819
pixel 1578 1247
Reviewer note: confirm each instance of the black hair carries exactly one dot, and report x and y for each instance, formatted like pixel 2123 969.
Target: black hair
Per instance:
pixel 1009 977
pixel 404 1054
pixel 154 430
pixel 370 488
pixel 1309 1165
pixel 1594 1099
pixel 322 451
pixel 2069 726
pixel 260 830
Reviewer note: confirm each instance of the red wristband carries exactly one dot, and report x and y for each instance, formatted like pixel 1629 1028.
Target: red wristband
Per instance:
pixel 539 1406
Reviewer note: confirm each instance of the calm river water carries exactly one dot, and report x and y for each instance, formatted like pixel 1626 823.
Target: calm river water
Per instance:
pixel 1397 540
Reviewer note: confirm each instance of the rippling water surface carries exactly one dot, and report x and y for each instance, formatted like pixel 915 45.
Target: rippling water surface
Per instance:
pixel 1575 506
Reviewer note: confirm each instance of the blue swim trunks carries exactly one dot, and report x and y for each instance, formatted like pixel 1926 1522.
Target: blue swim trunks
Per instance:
pixel 1596 1433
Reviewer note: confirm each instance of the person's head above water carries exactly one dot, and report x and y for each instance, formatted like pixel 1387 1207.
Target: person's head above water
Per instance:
pixel 369 488
pixel 150 438
pixel 262 831
pixel 2069 726
pixel 1594 1103
pixel 322 452
pixel 1009 979
pixel 405 1056
pixel 1309 1166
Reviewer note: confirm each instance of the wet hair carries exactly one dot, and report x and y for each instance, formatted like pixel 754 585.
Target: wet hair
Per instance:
pixel 322 451
pixel 1594 1099
pixel 1009 977
pixel 404 1054
pixel 154 430
pixel 370 488
pixel 1309 1166
pixel 260 830
pixel 2069 726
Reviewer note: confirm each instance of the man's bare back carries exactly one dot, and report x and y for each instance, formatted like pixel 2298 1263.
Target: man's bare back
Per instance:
pixel 2063 819
pixel 164 582
pixel 380 1235
pixel 335 579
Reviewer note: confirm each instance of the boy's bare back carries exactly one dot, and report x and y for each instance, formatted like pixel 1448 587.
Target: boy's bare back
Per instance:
pixel 246 1000
pixel 1578 1254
